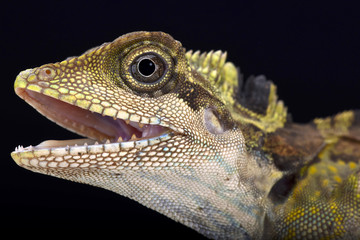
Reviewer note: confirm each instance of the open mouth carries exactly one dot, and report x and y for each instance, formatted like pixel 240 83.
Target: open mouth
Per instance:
pixel 95 127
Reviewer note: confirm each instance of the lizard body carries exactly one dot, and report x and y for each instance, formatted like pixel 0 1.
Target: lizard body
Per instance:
pixel 179 133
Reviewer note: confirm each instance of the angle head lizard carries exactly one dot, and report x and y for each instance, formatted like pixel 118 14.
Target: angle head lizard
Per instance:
pixel 181 133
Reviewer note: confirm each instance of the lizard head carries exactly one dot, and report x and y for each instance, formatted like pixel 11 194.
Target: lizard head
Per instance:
pixel 159 126
pixel 136 91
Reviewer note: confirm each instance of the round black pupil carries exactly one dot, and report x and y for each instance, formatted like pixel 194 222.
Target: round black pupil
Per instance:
pixel 146 67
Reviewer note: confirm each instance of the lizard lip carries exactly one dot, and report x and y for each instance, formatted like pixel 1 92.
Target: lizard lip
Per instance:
pixel 94 126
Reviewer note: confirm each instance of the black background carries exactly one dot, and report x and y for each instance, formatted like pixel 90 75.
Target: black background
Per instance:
pixel 309 49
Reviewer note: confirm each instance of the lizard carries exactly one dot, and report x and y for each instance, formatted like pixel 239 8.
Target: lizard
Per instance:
pixel 182 133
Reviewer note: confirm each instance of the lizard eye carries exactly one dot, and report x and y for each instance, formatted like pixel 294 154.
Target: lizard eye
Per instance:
pixel 146 67
pixel 147 70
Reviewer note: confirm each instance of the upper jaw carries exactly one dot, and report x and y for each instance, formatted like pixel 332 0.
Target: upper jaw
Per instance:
pixel 119 126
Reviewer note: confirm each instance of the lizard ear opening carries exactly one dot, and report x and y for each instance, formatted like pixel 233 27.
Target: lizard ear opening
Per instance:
pixel 213 121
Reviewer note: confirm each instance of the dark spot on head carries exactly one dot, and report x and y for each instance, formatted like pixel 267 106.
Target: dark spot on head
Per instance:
pixel 191 94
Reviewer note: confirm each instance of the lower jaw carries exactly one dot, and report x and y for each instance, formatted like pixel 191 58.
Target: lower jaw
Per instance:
pixel 58 154
pixel 83 146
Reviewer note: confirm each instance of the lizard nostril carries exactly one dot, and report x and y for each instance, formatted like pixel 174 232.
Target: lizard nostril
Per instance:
pixel 46 74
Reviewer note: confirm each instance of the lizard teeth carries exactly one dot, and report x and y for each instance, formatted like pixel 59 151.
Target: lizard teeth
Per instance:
pixel 133 137
pixel 19 148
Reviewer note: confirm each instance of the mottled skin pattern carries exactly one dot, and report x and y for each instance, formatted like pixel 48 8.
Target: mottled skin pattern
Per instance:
pixel 227 160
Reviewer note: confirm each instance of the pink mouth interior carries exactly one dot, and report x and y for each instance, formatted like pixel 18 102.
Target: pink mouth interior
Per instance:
pixel 87 123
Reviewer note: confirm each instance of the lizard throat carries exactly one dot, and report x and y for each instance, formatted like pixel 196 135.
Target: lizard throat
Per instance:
pixel 94 126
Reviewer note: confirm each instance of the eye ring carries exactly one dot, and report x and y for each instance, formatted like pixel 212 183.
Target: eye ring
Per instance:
pixel 146 69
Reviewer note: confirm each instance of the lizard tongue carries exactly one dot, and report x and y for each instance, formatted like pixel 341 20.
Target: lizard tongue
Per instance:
pixel 115 128
pixel 127 130
pixel 152 130
pixel 147 130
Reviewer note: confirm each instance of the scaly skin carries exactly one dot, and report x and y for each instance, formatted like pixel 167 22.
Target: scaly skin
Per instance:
pixel 185 138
